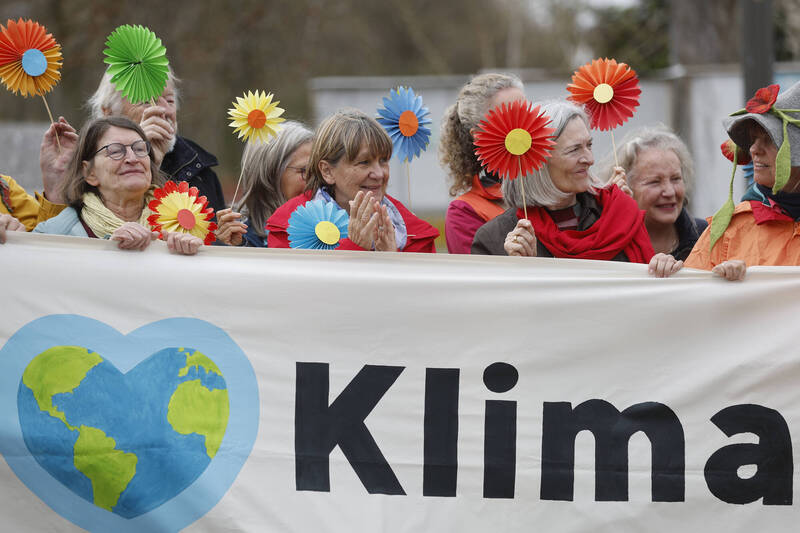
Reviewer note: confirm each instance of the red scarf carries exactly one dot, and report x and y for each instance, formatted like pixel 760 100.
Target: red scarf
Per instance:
pixel 620 228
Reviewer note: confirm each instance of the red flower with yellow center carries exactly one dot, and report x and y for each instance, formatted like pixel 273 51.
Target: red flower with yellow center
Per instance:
pixel 514 139
pixel 609 90
pixel 177 208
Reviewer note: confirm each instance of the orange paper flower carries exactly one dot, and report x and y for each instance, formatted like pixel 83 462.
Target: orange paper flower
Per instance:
pixel 609 90
pixel 178 208
pixel 29 58
pixel 514 139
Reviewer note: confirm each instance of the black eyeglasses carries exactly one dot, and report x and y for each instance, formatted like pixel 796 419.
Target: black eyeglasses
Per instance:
pixel 299 170
pixel 140 149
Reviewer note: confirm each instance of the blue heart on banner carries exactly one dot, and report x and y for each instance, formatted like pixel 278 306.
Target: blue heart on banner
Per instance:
pixel 137 432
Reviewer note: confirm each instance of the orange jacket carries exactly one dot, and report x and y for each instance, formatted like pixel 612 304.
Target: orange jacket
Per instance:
pixel 757 234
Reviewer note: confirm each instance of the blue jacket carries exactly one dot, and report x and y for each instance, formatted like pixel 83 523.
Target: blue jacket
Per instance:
pixel 66 223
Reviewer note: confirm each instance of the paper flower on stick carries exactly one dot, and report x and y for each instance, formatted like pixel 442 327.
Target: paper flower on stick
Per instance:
pixel 609 90
pixel 137 63
pixel 256 116
pixel 30 58
pixel 514 139
pixel 318 225
pixel 177 208
pixel 404 119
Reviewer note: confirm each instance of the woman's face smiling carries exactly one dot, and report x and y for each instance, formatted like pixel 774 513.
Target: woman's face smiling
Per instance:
pixel 367 173
pixel 118 178
pixel 572 157
pixel 657 185
pixel 764 153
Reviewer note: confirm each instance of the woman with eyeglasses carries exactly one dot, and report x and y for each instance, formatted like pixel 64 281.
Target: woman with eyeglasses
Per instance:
pixel 272 173
pixel 110 181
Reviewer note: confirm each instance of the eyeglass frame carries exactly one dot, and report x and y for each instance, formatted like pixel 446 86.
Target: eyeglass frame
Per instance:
pixel 126 146
pixel 303 171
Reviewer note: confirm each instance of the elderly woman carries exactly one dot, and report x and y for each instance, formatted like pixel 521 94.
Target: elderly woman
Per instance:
pixel 762 229
pixel 179 158
pixel 482 199
pixel 108 186
pixel 349 165
pixel 272 173
pixel 569 214
pixel 656 167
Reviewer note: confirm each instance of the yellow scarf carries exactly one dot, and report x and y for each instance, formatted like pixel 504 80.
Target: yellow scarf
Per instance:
pixel 102 221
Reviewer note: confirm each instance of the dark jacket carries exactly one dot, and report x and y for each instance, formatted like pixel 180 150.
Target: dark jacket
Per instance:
pixel 689 230
pixel 190 163
pixel 490 237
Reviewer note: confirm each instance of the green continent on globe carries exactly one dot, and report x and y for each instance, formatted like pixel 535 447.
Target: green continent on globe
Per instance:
pixel 110 470
pixel 72 362
pixel 193 408
pixel 199 361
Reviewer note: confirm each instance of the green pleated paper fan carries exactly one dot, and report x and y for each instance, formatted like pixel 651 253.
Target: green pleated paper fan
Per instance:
pixel 137 63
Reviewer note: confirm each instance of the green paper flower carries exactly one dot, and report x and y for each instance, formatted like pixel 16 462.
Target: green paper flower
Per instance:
pixel 138 63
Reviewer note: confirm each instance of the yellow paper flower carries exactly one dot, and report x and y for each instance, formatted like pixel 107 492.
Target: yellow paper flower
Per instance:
pixel 30 58
pixel 256 116
pixel 177 208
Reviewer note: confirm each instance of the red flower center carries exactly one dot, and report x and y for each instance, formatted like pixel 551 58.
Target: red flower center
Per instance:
pixel 763 100
pixel 408 123
pixel 256 119
pixel 186 219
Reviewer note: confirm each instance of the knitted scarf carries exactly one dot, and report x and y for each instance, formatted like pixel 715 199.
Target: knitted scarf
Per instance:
pixel 102 221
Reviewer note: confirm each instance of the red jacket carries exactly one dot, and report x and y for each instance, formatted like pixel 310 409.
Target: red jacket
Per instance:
pixel 420 234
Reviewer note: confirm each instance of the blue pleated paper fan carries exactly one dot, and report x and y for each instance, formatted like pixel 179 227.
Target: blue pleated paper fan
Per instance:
pixel 404 119
pixel 318 225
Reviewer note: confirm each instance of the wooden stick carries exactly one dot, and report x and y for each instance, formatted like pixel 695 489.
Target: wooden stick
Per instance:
pixel 614 147
pixel 49 114
pixel 408 177
pixel 233 200
pixel 522 186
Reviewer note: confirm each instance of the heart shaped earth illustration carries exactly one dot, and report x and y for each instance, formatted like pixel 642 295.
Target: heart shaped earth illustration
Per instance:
pixel 125 442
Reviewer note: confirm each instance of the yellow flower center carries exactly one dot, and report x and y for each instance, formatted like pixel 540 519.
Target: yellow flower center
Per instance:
pixel 603 93
pixel 327 232
pixel 408 122
pixel 518 141
pixel 256 119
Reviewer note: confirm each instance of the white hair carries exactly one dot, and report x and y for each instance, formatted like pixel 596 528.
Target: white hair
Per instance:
pixel 107 100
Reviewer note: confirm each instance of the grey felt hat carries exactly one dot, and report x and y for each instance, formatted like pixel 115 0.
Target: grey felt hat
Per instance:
pixel 788 99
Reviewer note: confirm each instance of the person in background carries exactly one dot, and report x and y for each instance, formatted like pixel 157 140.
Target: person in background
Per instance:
pixel 19 211
pixel 272 173
pixel 763 229
pixel 480 199
pixel 110 181
pixel 349 165
pixel 179 158
pixel 657 168
pixel 570 214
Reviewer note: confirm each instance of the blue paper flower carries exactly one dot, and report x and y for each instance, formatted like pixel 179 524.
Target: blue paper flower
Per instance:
pixel 404 119
pixel 318 225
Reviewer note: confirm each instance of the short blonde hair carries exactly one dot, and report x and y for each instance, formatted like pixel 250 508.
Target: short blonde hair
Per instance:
pixel 341 136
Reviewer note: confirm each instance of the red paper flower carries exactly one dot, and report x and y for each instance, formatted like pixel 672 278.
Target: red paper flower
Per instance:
pixel 178 208
pixel 609 90
pixel 513 140
pixel 742 156
pixel 763 100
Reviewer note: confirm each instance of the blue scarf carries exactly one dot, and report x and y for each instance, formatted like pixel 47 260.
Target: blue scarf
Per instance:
pixel 400 231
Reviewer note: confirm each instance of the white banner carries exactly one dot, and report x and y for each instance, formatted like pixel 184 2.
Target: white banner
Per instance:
pixel 278 390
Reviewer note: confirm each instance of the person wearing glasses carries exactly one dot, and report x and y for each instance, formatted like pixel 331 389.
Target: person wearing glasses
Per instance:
pixel 272 174
pixel 108 186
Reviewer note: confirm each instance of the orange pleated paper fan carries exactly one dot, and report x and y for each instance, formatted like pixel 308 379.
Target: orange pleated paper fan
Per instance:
pixel 514 139
pixel 609 90
pixel 30 58
pixel 178 208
